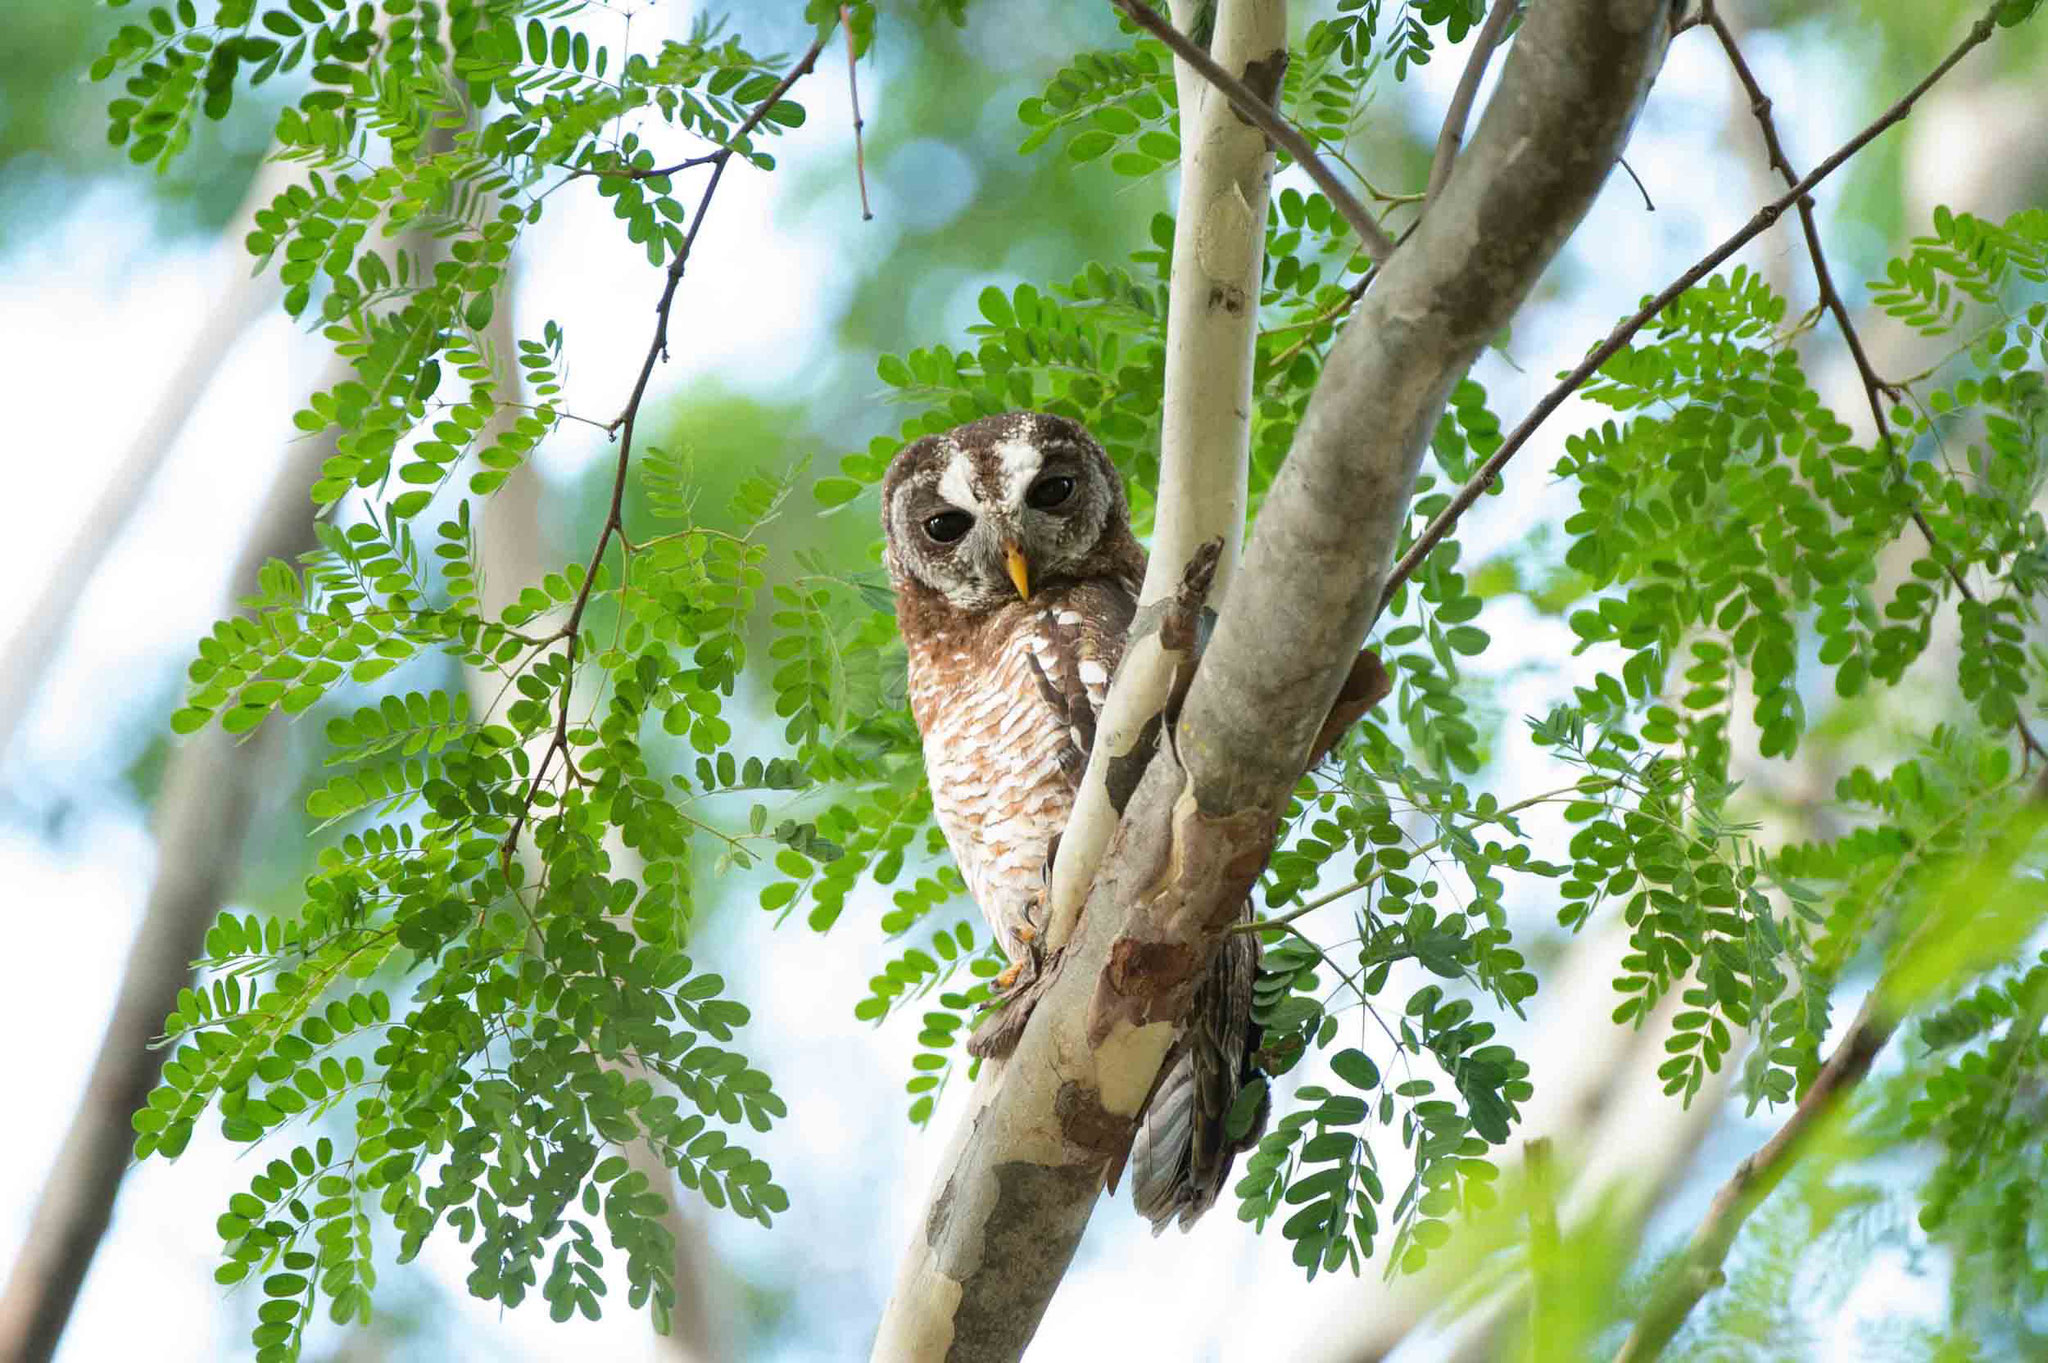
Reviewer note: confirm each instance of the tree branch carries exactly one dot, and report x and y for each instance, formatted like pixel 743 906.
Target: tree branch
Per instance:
pixel 614 521
pixel 1257 108
pixel 1875 389
pixel 1028 1160
pixel 1205 425
pixel 860 155
pixel 1624 331
pixel 1680 1286
pixel 1452 135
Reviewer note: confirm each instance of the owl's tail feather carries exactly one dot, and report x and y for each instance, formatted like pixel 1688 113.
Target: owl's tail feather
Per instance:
pixel 1181 1156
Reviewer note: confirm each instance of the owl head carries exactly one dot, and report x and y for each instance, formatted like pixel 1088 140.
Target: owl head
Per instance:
pixel 1001 509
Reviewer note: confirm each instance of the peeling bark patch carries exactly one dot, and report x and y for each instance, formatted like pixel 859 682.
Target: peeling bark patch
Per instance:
pixel 1086 1123
pixel 1148 967
pixel 1262 78
pixel 1142 983
pixel 1031 1231
pixel 942 1212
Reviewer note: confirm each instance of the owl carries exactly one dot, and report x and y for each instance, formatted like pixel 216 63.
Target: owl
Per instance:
pixel 1016 575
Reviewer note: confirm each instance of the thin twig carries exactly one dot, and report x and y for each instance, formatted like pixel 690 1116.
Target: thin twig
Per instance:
pixel 614 521
pixel 1269 121
pixel 1875 388
pixel 1336 312
pixel 860 156
pixel 1452 137
pixel 1648 205
pixel 1489 472
pixel 646 172
pixel 1421 850
pixel 1698 1268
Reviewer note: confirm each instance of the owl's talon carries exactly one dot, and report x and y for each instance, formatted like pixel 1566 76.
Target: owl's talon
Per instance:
pixel 1016 993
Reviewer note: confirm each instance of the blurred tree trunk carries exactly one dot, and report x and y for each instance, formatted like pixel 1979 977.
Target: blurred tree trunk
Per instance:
pixel 209 792
pixel 240 296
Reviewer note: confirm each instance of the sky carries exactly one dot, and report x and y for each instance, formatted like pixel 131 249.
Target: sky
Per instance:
pixel 96 314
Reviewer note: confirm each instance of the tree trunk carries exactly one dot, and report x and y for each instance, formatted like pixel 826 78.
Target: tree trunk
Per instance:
pixel 1212 336
pixel 1029 1158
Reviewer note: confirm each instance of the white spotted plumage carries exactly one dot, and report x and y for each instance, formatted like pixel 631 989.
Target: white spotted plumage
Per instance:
pixel 999 755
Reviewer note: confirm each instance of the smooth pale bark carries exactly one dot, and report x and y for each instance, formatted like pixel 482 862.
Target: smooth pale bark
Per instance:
pixel 1029 1159
pixel 210 788
pixel 1212 334
pixel 1311 581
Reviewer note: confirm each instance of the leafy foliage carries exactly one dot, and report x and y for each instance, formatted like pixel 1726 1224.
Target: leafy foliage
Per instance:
pixel 488 992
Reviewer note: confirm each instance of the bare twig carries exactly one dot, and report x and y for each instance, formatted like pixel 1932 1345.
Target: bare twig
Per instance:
pixel 1648 205
pixel 860 156
pixel 1488 472
pixel 1698 1268
pixel 623 424
pixel 1452 135
pixel 1875 389
pixel 1269 121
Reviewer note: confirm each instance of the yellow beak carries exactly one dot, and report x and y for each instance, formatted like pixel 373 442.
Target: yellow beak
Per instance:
pixel 1020 571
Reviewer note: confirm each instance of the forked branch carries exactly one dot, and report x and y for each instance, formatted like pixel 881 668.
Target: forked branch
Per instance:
pixel 1027 1161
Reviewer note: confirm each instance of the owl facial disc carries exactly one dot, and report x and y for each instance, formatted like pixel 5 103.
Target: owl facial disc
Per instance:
pixel 1000 510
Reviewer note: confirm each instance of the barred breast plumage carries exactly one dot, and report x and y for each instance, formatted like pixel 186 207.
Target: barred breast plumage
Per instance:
pixel 1003 755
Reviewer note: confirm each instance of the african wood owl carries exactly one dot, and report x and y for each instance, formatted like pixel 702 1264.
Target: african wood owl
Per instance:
pixel 1016 575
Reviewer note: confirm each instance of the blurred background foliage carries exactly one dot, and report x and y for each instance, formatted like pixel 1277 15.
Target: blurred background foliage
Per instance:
pixel 957 209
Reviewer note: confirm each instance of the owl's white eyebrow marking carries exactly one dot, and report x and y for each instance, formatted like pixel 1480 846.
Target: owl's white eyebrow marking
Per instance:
pixel 953 485
pixel 1020 460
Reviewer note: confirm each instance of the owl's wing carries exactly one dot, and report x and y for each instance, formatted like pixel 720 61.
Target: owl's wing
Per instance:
pixel 1074 653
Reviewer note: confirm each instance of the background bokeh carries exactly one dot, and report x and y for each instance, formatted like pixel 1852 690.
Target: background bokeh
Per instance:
pixel 112 280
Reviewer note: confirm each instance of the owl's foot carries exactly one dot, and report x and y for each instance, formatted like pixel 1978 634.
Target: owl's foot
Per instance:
pixel 1024 966
pixel 1017 992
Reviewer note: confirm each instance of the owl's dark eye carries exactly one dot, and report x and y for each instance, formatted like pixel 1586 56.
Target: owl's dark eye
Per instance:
pixel 948 526
pixel 1047 493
